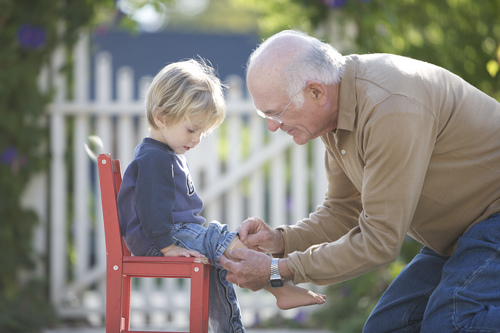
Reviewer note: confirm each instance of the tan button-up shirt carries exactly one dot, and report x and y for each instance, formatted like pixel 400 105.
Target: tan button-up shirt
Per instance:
pixel 416 151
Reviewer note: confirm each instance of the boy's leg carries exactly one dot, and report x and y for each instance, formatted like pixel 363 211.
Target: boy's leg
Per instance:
pixel 224 315
pixel 224 312
pixel 468 297
pixel 288 296
pixel 401 308
pixel 236 243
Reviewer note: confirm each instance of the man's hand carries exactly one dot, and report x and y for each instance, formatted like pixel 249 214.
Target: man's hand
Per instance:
pixel 177 251
pixel 252 271
pixel 259 236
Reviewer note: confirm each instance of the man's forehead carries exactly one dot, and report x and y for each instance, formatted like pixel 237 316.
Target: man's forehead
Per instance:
pixel 263 80
pixel 266 86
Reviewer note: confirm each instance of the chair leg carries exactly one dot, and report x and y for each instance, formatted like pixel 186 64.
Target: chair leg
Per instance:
pixel 113 302
pixel 126 293
pixel 198 322
pixel 206 288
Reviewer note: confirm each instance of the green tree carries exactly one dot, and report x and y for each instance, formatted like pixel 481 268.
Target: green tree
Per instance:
pixel 29 34
pixel 219 16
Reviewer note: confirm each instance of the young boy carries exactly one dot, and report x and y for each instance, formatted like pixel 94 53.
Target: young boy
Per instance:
pixel 158 205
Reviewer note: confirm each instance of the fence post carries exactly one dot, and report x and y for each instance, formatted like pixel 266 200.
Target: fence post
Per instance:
pixel 58 185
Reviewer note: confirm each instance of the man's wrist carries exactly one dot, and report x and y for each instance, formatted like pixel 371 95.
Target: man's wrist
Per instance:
pixel 280 240
pixel 166 249
pixel 285 272
pixel 275 279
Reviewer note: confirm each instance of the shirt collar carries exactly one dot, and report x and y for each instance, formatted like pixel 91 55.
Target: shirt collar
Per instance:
pixel 347 95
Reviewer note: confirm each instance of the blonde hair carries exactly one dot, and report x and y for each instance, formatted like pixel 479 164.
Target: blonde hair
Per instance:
pixel 183 90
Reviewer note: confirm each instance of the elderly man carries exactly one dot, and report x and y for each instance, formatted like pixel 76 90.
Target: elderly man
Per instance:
pixel 411 149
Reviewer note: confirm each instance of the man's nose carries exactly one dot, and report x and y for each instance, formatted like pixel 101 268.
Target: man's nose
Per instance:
pixel 273 126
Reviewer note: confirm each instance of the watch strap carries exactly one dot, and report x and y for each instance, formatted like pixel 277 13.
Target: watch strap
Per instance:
pixel 275 272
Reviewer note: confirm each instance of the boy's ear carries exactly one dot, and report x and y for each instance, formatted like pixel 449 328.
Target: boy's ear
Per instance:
pixel 159 119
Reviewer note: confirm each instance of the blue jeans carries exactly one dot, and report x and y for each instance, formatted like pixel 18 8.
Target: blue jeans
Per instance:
pixel 433 293
pixel 224 312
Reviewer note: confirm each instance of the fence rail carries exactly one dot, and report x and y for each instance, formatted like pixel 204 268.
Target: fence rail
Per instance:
pixel 239 170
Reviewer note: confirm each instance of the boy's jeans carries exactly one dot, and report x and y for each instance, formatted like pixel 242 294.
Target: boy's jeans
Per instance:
pixel 460 293
pixel 224 311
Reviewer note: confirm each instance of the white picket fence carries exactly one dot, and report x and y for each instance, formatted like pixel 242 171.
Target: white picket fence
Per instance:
pixel 239 170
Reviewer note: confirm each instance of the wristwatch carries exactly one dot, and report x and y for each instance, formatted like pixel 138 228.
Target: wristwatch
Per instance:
pixel 275 280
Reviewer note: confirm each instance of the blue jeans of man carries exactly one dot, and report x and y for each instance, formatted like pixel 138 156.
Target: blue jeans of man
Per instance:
pixel 224 312
pixel 433 293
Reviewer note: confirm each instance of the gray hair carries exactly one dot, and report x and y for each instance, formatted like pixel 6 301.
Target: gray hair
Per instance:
pixel 310 59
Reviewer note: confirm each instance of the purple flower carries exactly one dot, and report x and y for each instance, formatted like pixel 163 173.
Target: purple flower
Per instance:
pixel 334 3
pixel 301 317
pixel 101 30
pixel 9 155
pixel 31 37
pixel 338 3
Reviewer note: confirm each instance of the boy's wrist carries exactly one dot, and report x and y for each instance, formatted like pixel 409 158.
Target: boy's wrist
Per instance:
pixel 166 249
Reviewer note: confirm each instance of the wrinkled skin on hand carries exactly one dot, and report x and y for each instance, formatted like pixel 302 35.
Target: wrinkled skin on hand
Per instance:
pixel 259 236
pixel 252 271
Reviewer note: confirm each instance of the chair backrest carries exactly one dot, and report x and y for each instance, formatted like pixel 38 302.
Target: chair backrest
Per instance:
pixel 110 178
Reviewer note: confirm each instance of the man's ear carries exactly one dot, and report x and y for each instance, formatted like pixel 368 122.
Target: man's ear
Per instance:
pixel 317 91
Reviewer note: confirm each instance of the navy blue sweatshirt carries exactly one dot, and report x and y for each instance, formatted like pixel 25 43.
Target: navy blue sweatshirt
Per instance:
pixel 156 192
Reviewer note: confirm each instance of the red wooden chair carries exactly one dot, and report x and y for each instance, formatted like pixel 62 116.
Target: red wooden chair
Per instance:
pixel 121 266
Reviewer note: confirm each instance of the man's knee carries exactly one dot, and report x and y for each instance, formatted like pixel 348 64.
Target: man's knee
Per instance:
pixel 461 314
pixel 377 324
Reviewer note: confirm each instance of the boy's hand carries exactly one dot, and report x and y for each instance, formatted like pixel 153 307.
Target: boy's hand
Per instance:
pixel 177 251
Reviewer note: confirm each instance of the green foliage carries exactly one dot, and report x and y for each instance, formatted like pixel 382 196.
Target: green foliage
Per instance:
pixel 274 16
pixel 27 40
pixel 349 303
pixel 219 16
pixel 27 310
pixel 462 36
pixel 28 35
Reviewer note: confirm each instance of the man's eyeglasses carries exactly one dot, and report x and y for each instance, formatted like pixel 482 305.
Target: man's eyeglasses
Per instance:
pixel 277 119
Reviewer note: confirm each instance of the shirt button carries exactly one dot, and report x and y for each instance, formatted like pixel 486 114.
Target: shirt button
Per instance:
pixel 342 152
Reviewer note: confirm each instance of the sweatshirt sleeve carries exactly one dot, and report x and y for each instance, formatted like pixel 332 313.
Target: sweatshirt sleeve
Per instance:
pixel 155 198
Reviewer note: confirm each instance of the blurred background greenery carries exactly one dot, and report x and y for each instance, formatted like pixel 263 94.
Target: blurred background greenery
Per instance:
pixel 462 36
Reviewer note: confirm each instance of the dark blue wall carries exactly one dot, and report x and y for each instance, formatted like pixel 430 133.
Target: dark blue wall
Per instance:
pixel 147 53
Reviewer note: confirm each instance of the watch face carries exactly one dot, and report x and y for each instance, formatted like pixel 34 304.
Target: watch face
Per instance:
pixel 276 283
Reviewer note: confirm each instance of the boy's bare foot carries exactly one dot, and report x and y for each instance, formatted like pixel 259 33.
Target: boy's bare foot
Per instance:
pixel 290 296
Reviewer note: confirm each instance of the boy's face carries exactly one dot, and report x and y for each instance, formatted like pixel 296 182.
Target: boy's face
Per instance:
pixel 181 137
